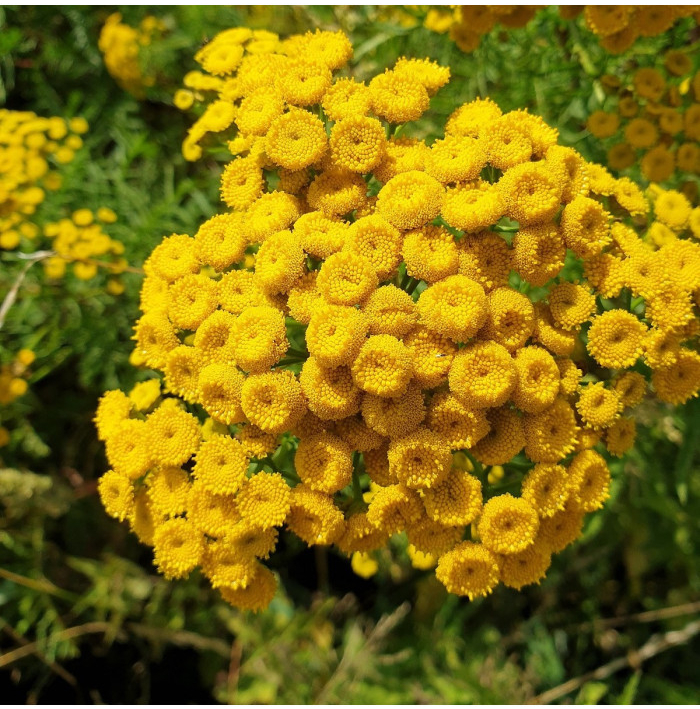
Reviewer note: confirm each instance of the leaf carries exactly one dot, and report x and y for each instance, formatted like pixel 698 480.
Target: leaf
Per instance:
pixel 591 693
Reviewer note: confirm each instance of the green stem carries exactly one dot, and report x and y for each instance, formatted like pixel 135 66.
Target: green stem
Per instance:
pixel 478 468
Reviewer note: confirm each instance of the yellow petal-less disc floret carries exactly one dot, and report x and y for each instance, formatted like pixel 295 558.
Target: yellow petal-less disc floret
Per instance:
pixel 508 524
pixel 420 459
pixel 468 570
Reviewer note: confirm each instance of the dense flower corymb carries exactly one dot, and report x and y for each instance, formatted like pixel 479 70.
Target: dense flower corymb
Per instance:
pixel 373 355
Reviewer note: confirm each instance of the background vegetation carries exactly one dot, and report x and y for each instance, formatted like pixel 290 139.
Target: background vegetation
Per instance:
pixel 84 616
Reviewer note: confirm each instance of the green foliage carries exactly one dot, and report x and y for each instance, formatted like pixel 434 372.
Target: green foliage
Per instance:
pixel 84 615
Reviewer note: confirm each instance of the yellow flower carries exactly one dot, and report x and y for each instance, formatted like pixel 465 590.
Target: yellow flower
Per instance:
pixel 313 517
pixel 116 494
pixel 531 194
pixel 383 366
pixel 357 143
pixel 589 480
pixel 473 206
pixel 273 401
pixel 296 139
pixel 504 440
pixel 221 465
pixel 483 375
pixel 455 307
pixel 347 98
pixel 394 416
pixel 410 200
pixel 397 98
pixel 430 253
pixel 264 500
pixel 511 318
pixel 460 426
pixel 456 500
pixel 324 463
pixel 538 379
pixel 347 278
pixel 602 124
pixel 598 407
pixel 468 570
pixel 615 339
pixel 178 547
pixel 390 311
pixel 551 434
pixel 546 488
pixel 378 241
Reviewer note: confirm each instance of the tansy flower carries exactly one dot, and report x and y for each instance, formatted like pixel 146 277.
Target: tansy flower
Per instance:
pixel 457 500
pixel 430 253
pixel 330 392
pixel 570 376
pixel 181 371
pixel 455 159
pixel 313 517
pixel 393 508
pixel 460 426
pixel 357 143
pixel 337 192
pixel 172 435
pixel 598 407
pixel 485 258
pixel 324 462
pixel 546 488
pixel 255 442
pixel 678 382
pixel 116 494
pixel 192 299
pixel 144 394
pixel 428 73
pixel 563 528
pixel 401 155
pixel 526 567
pixel 538 253
pixel 621 156
pixel 390 311
pixel 619 437
pixel 571 305
pixel 410 200
pixel 271 213
pixel 432 537
pixel 259 338
pixel 220 242
pixel 470 118
pixel 468 570
pixel 168 491
pixel 589 480
pixel 615 339
pixel 357 434
pixel 279 262
pixel 320 235
pixel 473 206
pixel 397 98
pixel 649 83
pixel 304 81
pixel 303 298
pixel 641 133
pixel 378 241
pixel 482 375
pixel 531 194
pixel 602 124
pixel 335 334
pixel 242 183
pixel 551 434
pixel 296 139
pixel 215 337
pixel 174 258
pixel 113 408
pixel 584 226
pixel 347 98
pixel 511 318
pixel 347 278
pixel 630 387
pixel 221 465
pixel 394 416
pixel 673 209
pixel 360 535
pixel 537 381
pixel 257 595
pixel 383 366
pixel 258 110
pixel 508 524
pixel 264 500
pixel 420 459
pixel 127 448
pixel 273 401
pixel 504 440
pixel 178 547
pixel 432 355
pixel 455 307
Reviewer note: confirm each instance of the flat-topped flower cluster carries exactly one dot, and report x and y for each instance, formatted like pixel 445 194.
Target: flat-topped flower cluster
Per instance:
pixel 370 312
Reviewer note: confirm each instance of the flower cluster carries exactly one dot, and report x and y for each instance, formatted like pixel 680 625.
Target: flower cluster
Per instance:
pixel 616 26
pixel 13 384
pixel 121 44
pixel 32 149
pixel 655 122
pixel 372 312
pixel 673 217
